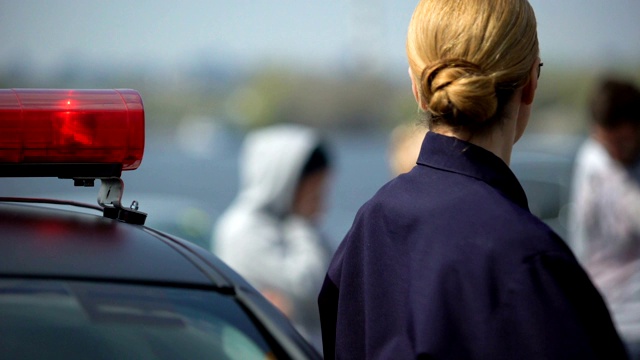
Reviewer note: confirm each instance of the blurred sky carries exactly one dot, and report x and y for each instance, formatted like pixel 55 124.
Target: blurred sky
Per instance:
pixel 308 34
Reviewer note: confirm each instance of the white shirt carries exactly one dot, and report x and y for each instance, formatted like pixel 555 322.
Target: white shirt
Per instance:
pixel 604 231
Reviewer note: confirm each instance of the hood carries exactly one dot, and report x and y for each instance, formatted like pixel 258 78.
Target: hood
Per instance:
pixel 271 162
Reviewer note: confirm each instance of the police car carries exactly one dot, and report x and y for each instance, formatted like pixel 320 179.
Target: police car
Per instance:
pixel 102 285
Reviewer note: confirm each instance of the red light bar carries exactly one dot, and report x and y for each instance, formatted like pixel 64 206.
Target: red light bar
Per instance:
pixel 54 126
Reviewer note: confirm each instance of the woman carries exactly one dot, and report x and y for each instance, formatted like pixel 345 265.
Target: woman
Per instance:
pixel 269 233
pixel 446 261
pixel 404 146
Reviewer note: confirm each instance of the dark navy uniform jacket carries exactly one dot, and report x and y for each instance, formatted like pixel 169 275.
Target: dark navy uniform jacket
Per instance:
pixel 447 262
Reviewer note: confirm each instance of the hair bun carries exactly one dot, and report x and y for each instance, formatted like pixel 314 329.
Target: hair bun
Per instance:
pixel 458 91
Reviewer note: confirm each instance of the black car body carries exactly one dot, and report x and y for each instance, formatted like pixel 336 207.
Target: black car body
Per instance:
pixel 102 285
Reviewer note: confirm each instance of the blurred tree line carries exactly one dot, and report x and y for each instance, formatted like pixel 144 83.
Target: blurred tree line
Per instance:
pixel 338 100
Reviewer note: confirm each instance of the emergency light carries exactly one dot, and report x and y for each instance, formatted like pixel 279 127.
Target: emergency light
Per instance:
pixel 70 133
pixel 78 134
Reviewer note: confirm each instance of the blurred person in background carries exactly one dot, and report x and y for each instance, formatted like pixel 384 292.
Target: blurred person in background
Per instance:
pixel 446 261
pixel 604 220
pixel 269 233
pixel 404 147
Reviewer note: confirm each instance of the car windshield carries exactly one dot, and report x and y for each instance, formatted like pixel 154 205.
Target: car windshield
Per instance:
pixel 72 319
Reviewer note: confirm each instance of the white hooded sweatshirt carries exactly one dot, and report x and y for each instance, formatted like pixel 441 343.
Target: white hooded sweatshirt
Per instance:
pixel 258 235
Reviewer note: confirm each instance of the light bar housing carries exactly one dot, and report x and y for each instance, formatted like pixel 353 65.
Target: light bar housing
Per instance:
pixel 70 133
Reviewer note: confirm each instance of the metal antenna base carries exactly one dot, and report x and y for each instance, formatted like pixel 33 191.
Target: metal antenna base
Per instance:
pixel 110 197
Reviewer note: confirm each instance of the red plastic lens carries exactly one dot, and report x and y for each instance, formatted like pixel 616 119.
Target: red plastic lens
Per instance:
pixel 71 126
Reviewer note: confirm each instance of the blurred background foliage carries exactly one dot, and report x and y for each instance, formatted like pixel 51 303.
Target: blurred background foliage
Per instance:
pixel 336 65
pixel 241 99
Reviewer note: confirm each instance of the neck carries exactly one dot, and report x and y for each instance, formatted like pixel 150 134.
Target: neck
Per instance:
pixel 495 141
pixel 498 139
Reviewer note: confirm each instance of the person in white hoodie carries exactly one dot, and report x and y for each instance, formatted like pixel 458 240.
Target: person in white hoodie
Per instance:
pixel 269 233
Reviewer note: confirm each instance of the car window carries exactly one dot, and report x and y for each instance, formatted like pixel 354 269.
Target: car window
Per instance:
pixel 73 319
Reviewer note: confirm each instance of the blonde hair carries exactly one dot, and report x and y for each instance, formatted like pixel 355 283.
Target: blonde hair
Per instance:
pixel 468 57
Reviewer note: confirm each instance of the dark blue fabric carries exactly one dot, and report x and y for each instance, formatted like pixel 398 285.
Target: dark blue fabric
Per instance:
pixel 447 262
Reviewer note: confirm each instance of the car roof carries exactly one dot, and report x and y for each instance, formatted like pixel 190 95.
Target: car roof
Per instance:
pixel 39 241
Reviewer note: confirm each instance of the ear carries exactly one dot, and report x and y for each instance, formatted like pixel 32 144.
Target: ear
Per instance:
pixel 416 92
pixel 529 90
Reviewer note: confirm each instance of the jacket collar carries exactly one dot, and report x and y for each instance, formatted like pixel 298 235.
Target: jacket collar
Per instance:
pixel 458 156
